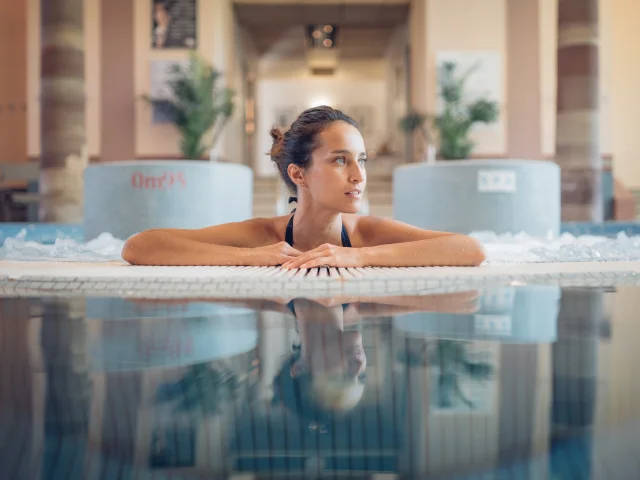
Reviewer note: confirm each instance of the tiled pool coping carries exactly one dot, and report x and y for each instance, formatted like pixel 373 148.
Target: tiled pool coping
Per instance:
pixel 122 280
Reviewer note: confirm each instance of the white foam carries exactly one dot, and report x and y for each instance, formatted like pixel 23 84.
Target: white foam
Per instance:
pixel 521 248
pixel 104 248
pixel 501 249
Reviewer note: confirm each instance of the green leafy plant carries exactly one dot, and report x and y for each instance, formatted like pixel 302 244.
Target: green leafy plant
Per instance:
pixel 198 105
pixel 413 121
pixel 454 364
pixel 457 117
pixel 203 389
pixel 454 123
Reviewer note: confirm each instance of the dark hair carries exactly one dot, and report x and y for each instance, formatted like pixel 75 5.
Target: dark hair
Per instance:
pixel 298 143
pixel 295 394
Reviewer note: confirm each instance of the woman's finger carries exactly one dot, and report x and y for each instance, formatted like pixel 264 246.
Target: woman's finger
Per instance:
pixel 286 259
pixel 308 256
pixel 317 262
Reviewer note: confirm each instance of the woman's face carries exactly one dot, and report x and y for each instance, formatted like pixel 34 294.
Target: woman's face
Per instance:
pixel 328 349
pixel 333 358
pixel 337 176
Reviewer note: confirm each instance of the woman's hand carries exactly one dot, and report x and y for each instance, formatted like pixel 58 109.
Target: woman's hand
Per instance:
pixel 327 255
pixel 271 255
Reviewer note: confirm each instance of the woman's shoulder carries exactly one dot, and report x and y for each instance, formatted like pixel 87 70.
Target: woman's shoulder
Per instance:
pixel 357 222
pixel 273 226
pixel 358 227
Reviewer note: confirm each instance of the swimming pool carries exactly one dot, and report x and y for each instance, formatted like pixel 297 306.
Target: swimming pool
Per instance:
pixel 514 370
pixel 579 242
pixel 503 381
pixel 48 232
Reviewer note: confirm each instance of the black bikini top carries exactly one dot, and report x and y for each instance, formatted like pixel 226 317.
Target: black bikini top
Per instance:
pixel 288 236
pixel 293 310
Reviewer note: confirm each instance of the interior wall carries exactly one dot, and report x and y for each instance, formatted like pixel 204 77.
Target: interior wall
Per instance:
pixel 460 25
pixel 161 140
pixel 117 108
pixel 523 82
pixel 622 57
pixel 13 92
pixel 479 25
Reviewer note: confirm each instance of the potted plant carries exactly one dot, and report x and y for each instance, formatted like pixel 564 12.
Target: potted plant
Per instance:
pixel 185 193
pixel 458 116
pixel 453 124
pixel 197 106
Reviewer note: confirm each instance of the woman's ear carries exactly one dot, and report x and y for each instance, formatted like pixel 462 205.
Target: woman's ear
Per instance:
pixel 296 174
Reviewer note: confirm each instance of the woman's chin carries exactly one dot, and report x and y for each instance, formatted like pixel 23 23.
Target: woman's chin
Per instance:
pixel 351 209
pixel 352 206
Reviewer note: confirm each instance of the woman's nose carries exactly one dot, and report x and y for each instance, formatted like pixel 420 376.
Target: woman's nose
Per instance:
pixel 357 365
pixel 357 174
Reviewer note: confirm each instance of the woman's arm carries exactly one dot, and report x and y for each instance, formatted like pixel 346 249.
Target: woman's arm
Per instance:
pixel 390 243
pixel 458 302
pixel 229 244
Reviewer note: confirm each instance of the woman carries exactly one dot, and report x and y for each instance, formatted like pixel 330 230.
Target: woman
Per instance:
pixel 322 158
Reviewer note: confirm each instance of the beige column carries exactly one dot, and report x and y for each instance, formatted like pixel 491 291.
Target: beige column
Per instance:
pixel 578 126
pixel 523 80
pixel 117 95
pixel 418 67
pixel 62 116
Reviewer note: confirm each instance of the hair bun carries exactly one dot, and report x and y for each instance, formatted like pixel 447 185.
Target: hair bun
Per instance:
pixel 278 142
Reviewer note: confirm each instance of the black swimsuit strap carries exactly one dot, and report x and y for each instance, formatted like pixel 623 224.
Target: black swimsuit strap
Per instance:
pixel 346 241
pixel 288 234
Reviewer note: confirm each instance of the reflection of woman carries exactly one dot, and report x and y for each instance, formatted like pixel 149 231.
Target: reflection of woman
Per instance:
pixel 162 22
pixel 325 373
pixel 324 376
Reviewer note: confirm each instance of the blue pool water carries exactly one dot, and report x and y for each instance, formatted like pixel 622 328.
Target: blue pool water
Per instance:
pixel 47 233
pixel 503 382
pixel 507 383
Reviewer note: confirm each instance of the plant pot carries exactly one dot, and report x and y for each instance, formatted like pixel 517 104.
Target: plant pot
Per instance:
pixel 463 196
pixel 137 336
pixel 505 315
pixel 124 198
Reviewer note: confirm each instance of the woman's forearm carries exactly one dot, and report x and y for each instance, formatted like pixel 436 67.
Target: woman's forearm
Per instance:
pixel 163 249
pixel 447 250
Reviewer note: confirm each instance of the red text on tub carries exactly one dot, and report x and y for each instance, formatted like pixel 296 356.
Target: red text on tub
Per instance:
pixel 158 182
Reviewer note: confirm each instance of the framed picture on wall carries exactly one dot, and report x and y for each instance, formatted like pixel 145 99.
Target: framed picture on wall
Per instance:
pixel 173 24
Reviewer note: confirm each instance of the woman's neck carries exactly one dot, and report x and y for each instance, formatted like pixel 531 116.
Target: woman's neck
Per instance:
pixel 321 328
pixel 314 226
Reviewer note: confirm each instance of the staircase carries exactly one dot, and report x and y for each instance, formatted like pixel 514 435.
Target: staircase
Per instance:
pixel 379 193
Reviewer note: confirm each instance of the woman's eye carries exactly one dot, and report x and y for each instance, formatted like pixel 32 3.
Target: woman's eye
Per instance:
pixel 362 161
pixel 341 160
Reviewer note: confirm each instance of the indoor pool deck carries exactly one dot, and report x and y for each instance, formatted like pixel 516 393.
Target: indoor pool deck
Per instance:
pixel 114 278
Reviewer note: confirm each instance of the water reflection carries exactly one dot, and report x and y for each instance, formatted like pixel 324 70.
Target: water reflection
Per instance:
pixel 533 382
